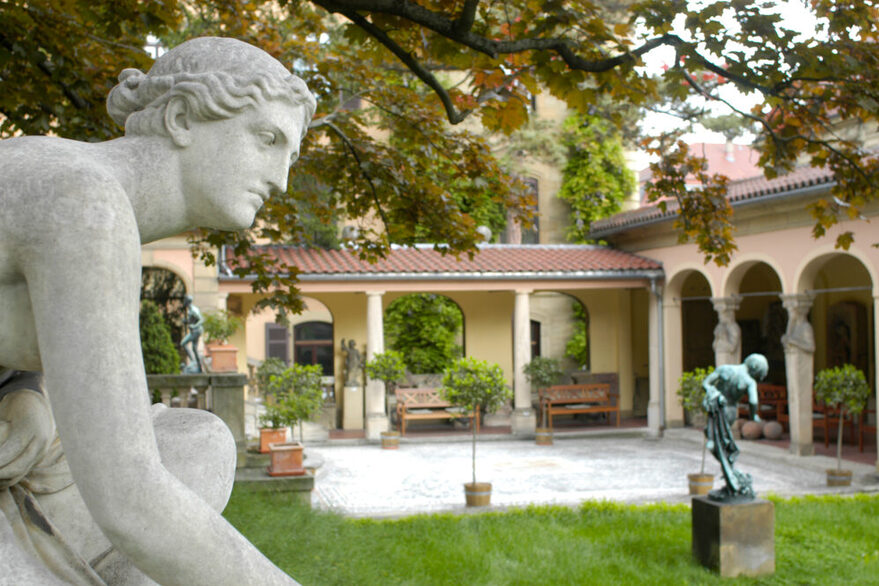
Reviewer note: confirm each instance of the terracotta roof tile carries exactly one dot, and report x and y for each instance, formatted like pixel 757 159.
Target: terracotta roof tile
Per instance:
pixel 491 260
pixel 741 191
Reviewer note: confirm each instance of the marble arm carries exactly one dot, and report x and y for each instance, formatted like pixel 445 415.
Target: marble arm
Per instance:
pixel 151 517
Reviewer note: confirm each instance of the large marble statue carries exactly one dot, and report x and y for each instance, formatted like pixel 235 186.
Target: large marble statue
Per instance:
pixel 723 389
pixel 131 494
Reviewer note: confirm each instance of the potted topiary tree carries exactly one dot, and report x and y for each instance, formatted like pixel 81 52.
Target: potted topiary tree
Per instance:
pixel 543 372
pixel 300 397
pixel 690 393
pixel 219 326
pixel 844 389
pixel 475 384
pixel 389 368
pixel 272 429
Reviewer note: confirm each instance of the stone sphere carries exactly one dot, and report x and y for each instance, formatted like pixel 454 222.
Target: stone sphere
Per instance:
pixel 773 430
pixel 737 428
pixel 752 430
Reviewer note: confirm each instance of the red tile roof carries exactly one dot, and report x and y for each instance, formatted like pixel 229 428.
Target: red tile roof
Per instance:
pixel 491 261
pixel 742 191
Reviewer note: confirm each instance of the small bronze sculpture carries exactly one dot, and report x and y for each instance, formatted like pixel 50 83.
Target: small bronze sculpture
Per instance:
pixel 723 389
pixel 194 322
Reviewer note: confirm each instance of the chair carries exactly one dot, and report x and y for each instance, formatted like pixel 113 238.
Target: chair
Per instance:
pixel 865 428
pixel 828 419
pixel 771 403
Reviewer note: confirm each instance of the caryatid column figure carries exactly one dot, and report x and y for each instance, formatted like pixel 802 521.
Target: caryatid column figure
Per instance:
pixel 799 352
pixel 727 334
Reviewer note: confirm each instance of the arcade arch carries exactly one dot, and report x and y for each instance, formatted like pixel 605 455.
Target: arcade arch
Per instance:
pixel 841 289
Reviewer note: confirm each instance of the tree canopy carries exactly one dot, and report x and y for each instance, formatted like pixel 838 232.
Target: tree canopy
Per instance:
pixel 398 82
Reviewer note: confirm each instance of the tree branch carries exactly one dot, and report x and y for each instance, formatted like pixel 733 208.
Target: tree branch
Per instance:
pixel 465 20
pixel 412 63
pixel 363 172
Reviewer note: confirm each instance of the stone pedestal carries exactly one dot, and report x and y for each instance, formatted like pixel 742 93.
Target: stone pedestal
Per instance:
pixel 352 408
pixel 375 425
pixel 734 539
pixel 524 422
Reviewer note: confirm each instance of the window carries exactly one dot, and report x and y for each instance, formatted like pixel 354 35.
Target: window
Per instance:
pixel 313 344
pixel 535 339
pixel 278 342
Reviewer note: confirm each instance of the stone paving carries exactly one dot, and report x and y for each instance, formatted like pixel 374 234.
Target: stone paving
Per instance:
pixel 427 475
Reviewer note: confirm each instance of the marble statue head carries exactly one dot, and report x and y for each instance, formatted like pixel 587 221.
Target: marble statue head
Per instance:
pixel 217 77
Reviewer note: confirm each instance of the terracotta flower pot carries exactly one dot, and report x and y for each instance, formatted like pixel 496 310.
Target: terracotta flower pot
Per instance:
pixel 286 460
pixel 390 440
pixel 224 357
pixel 268 436
pixel 543 436
pixel 839 477
pixel 477 494
pixel 700 483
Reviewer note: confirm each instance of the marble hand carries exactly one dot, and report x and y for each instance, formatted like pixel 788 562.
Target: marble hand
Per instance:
pixel 26 431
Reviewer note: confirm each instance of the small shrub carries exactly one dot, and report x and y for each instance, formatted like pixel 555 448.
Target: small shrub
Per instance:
pixel 299 394
pixel 219 326
pixel 845 388
pixel 160 354
pixel 543 372
pixel 475 384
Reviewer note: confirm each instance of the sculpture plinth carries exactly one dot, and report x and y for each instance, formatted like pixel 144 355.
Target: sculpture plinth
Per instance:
pixel 734 539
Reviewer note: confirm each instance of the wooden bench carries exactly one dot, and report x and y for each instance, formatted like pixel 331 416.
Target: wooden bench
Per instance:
pixel 421 404
pixel 771 403
pixel 573 399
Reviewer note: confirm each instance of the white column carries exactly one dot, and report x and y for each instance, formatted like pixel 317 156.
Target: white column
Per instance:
pixel 799 351
pixel 654 411
pixel 524 419
pixel 376 414
pixel 727 334
pixel 672 360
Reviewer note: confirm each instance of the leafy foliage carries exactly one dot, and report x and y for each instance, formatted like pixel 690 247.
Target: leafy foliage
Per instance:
pixel 220 325
pixel 577 347
pixel 160 355
pixel 690 390
pixel 393 79
pixel 298 395
pixel 844 387
pixel 387 367
pixel 166 290
pixel 424 327
pixel 596 178
pixel 264 372
pixel 543 372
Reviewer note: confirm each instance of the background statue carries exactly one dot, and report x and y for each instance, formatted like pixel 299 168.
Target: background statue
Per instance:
pixel 210 133
pixel 353 364
pixel 723 389
pixel 194 322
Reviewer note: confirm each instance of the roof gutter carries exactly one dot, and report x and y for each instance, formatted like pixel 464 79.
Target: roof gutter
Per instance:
pixel 607 275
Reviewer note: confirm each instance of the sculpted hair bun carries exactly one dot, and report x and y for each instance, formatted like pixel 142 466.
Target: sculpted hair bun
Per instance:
pixel 125 98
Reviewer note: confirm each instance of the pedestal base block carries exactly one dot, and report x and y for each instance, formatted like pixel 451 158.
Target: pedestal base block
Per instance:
pixel 734 539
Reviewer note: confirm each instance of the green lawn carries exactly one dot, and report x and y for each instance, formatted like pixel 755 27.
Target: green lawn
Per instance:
pixel 818 540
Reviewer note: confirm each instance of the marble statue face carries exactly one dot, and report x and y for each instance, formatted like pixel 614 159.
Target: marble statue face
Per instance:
pixel 230 167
